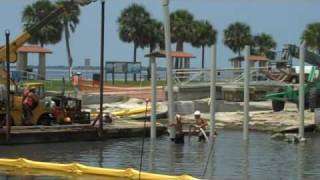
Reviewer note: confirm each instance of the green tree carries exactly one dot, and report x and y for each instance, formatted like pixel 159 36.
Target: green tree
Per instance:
pixel 236 36
pixel 132 27
pixel 203 35
pixel 263 43
pixel 70 19
pixel 181 22
pixel 312 36
pixel 33 14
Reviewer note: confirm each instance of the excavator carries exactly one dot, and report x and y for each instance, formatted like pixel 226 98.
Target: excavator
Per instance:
pixel 44 112
pixel 312 85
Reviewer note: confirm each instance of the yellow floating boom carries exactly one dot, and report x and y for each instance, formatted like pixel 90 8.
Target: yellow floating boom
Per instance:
pixel 129 112
pixel 79 169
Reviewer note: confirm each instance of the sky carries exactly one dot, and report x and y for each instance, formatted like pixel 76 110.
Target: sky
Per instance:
pixel 285 20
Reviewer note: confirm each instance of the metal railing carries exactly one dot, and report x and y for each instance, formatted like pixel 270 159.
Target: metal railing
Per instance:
pixel 229 75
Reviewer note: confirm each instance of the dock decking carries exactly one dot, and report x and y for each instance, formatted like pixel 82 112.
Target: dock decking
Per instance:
pixel 76 132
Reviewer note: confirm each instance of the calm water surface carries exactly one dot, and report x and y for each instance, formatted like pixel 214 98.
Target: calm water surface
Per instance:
pixel 261 158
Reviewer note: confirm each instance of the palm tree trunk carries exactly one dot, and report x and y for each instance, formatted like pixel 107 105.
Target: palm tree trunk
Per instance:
pixel 179 47
pixel 202 62
pixel 67 37
pixel 134 59
pixel 149 64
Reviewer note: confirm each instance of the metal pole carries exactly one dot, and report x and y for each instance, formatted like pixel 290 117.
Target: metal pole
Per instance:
pixel 246 93
pixel 8 84
pixel 171 113
pixel 101 67
pixel 153 131
pixel 213 90
pixel 301 91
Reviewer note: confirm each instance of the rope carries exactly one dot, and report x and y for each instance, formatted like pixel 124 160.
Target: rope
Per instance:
pixel 211 152
pixel 144 134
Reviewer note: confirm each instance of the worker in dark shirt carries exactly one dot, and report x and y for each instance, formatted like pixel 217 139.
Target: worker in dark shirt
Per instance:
pixel 179 139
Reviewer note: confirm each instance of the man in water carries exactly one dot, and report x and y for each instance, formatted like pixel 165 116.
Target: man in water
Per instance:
pixel 201 123
pixel 179 139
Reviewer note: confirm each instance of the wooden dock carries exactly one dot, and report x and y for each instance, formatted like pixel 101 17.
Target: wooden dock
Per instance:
pixel 76 132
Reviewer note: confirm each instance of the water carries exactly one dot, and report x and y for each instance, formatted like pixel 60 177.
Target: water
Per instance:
pixel 262 158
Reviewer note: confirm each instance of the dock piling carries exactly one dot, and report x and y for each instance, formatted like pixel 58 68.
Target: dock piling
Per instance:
pixel 213 90
pixel 246 95
pixel 171 113
pixel 301 91
pixel 101 66
pixel 7 33
pixel 153 117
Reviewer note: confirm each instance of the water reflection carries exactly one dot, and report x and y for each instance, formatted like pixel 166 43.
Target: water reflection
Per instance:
pixel 300 161
pixel 152 149
pixel 245 164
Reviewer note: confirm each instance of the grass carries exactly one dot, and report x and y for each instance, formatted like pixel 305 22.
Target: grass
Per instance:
pixel 56 85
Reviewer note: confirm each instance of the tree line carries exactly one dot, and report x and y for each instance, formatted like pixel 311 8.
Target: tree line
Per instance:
pixel 137 26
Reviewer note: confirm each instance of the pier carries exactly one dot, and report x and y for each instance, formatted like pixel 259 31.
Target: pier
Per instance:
pixel 77 132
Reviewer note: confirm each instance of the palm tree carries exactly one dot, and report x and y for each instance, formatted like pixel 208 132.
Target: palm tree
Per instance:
pixel 69 20
pixel 236 36
pixel 132 27
pixel 203 35
pixel 181 27
pixel 263 43
pixel 33 14
pixel 312 36
pixel 154 37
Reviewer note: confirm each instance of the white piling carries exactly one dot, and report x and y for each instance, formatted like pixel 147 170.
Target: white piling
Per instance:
pixel 246 96
pixel 213 90
pixel 301 91
pixel 153 130
pixel 171 114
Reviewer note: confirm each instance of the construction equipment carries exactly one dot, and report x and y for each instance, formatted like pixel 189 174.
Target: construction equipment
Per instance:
pixel 312 85
pixel 43 113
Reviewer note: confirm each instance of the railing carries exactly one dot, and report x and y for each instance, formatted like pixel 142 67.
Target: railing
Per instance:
pixel 187 76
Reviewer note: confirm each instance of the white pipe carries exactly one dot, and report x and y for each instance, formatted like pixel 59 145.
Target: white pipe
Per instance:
pixel 167 34
pixel 301 91
pixel 213 90
pixel 204 134
pixel 153 131
pixel 246 93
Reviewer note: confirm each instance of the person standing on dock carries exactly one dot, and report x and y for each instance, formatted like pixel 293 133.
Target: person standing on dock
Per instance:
pixel 201 123
pixel 76 83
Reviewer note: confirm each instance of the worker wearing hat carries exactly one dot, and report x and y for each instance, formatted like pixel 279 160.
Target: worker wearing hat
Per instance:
pixel 29 103
pixel 179 139
pixel 200 123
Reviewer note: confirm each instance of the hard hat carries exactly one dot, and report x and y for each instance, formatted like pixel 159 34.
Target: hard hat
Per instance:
pixel 78 73
pixel 67 119
pixel 32 87
pixel 197 113
pixel 178 116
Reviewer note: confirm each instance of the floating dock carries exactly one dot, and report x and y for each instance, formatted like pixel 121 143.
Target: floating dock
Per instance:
pixel 77 132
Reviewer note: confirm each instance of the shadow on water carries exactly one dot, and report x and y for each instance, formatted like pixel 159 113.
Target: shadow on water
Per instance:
pixel 261 158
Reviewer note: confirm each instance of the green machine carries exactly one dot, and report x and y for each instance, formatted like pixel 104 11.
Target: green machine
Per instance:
pixel 290 93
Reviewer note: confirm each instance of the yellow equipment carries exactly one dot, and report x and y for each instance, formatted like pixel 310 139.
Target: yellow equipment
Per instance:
pixel 42 114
